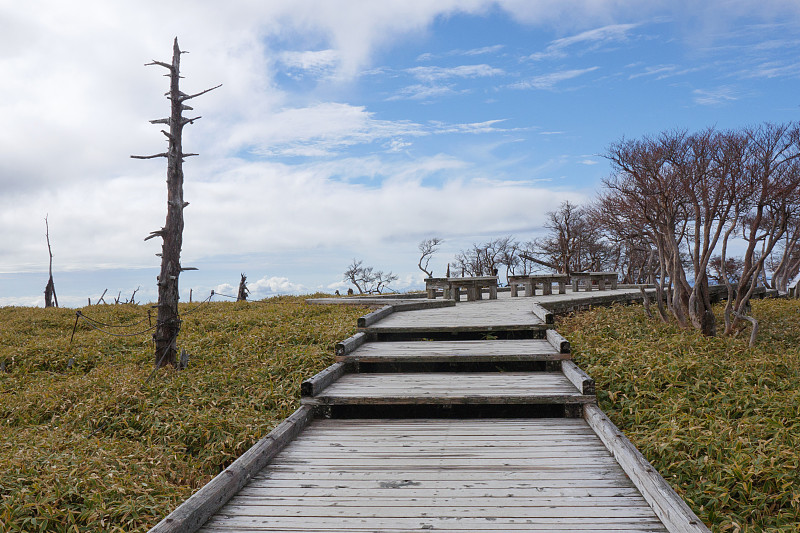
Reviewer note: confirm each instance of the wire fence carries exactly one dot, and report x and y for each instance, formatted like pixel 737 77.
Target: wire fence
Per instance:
pixel 105 328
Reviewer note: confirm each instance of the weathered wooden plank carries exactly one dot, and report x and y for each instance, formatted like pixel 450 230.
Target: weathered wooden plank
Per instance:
pixel 483 315
pixel 558 341
pixel 543 399
pixel 362 525
pixel 350 344
pixel 542 314
pixel 319 382
pixel 254 504
pixel 450 387
pixel 426 304
pixel 326 525
pixel 578 377
pixel 452 493
pixel 264 514
pixel 456 351
pixel 544 482
pixel 192 513
pixel 456 443
pixel 669 507
pixel 375 316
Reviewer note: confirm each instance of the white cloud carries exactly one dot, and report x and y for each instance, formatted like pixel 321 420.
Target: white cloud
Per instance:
pixel 549 81
pixel 226 290
pixel 594 38
pixel 484 50
pixel 430 74
pixel 422 92
pixel 458 52
pixel 271 286
pixel 661 72
pixel 318 63
pixel 718 96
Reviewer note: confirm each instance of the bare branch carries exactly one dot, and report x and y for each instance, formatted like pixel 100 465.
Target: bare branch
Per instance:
pixel 149 156
pixel 157 233
pixel 160 64
pixel 185 97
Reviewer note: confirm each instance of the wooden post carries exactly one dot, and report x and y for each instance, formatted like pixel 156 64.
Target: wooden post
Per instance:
pixel 169 323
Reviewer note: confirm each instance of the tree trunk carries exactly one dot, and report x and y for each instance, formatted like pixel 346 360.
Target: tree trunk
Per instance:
pixel 50 298
pixel 169 322
pixel 243 290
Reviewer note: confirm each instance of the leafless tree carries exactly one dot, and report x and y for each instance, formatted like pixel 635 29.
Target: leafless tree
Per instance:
pixel 355 274
pixel 730 272
pixel 168 325
pixel 688 196
pixel 50 298
pixel 574 242
pixel 366 279
pixel 770 204
pixel 382 280
pixel 426 249
pixel 784 263
pixel 484 259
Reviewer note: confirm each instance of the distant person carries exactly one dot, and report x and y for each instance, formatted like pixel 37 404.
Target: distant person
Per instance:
pixel 350 291
pixel 337 292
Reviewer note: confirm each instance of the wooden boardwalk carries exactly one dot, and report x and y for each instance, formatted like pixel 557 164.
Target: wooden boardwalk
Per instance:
pixel 488 427
pixel 440 475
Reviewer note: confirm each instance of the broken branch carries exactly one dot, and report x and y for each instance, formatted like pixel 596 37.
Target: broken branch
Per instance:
pixel 149 156
pixel 183 97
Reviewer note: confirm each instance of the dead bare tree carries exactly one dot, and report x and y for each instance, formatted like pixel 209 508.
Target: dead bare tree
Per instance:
pixel 358 275
pixel 243 290
pixel 484 259
pixel 367 279
pixel 168 325
pixel 50 298
pixel 690 194
pixel 787 266
pixel 427 248
pixel 772 179
pixel 574 242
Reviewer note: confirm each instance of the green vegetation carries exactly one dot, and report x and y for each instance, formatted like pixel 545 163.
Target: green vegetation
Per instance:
pixel 94 446
pixel 719 420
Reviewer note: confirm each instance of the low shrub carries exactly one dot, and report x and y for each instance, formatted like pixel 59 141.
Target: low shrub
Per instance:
pixel 87 443
pixel 720 421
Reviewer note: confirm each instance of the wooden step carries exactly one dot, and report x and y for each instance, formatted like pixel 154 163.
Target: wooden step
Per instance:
pixel 486 316
pixel 450 388
pixel 455 351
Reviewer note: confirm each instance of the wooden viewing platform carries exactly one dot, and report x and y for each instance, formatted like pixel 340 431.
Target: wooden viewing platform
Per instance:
pixel 490 426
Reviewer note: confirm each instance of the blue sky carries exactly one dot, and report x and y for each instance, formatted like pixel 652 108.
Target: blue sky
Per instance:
pixel 346 129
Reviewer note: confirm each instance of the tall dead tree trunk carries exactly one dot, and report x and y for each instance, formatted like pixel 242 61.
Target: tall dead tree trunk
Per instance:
pixel 169 322
pixel 243 290
pixel 50 298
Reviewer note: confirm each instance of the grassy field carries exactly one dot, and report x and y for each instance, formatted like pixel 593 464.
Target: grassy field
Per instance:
pixel 719 420
pixel 95 446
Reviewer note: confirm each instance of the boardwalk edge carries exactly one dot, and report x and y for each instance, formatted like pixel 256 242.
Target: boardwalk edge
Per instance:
pixel 668 506
pixel 195 511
